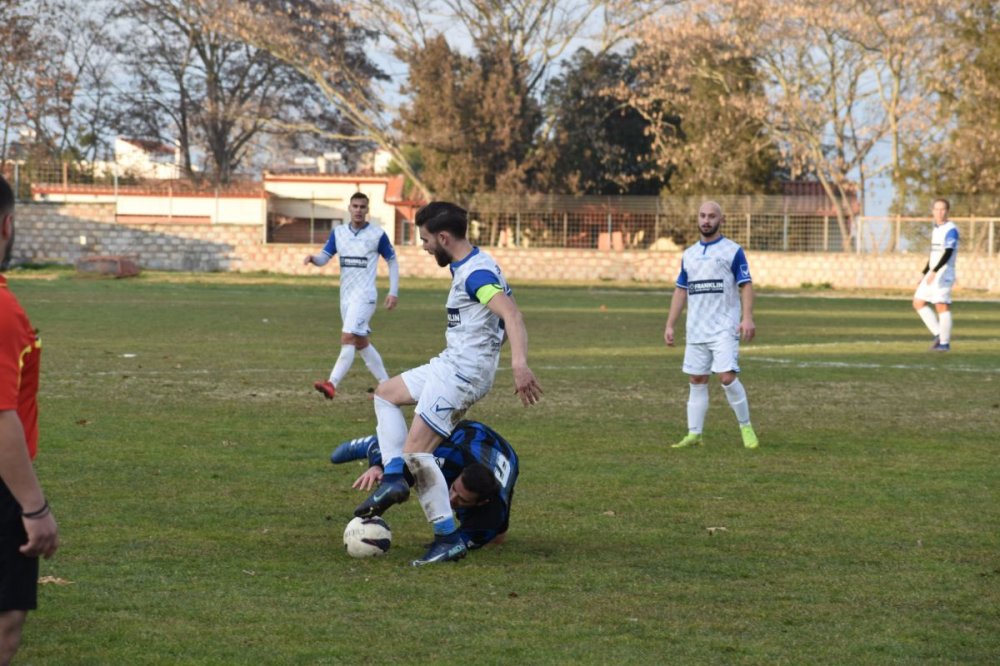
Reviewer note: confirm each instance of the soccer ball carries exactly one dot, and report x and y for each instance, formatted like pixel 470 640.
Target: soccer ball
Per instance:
pixel 367 537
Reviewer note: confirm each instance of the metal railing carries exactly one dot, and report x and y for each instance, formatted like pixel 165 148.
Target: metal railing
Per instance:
pixel 666 223
pixel 977 235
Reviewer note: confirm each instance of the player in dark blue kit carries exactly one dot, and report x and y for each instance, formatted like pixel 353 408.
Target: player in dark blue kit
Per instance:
pixel 480 467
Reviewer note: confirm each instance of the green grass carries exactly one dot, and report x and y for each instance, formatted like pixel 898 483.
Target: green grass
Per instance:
pixel 185 455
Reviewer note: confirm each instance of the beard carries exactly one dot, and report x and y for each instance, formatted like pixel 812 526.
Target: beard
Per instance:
pixel 442 257
pixel 8 253
pixel 707 231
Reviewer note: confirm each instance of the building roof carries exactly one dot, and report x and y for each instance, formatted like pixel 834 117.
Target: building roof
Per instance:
pixel 150 145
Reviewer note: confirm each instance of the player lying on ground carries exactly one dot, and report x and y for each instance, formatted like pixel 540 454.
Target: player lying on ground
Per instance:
pixel 479 466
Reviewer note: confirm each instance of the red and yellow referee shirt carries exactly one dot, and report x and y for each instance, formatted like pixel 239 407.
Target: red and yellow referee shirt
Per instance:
pixel 20 353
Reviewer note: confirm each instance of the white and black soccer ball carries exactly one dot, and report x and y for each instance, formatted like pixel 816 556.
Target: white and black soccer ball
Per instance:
pixel 367 537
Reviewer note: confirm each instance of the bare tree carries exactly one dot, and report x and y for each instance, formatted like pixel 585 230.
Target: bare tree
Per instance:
pixel 195 79
pixel 903 42
pixel 822 104
pixel 535 32
pixel 17 51
pixel 55 71
pixel 312 38
pixel 705 103
pixel 967 86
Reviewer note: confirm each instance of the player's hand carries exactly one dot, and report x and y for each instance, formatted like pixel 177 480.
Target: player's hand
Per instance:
pixel 370 479
pixel 526 386
pixel 308 260
pixel 390 302
pixel 746 330
pixel 930 277
pixel 43 536
pixel 668 336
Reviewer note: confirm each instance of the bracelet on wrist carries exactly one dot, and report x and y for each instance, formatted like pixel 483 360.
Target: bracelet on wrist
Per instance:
pixel 41 513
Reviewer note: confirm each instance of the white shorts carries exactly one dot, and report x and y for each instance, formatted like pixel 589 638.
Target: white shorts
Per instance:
pixel 705 358
pixel 442 396
pixel 357 317
pixel 938 291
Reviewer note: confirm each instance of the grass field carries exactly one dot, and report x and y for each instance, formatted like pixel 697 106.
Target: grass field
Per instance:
pixel 186 458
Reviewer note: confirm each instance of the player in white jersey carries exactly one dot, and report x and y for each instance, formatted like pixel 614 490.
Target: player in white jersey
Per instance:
pixel 359 245
pixel 939 276
pixel 481 314
pixel 715 285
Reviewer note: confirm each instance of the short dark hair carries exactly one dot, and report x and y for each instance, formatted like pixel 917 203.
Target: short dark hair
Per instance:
pixel 443 216
pixel 6 197
pixel 479 479
pixel 359 195
pixel 947 204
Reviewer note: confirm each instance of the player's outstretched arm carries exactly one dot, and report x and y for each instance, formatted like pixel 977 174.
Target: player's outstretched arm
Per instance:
pixel 525 384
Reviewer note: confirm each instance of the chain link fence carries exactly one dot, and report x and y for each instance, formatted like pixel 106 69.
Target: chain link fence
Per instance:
pixel 801 223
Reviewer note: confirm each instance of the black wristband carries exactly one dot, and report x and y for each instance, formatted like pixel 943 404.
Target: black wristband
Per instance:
pixel 41 513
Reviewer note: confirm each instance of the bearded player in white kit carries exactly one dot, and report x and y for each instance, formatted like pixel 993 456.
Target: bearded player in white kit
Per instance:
pixel 939 276
pixel 481 315
pixel 715 284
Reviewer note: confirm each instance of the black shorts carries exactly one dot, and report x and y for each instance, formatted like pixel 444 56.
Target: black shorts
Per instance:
pixel 18 574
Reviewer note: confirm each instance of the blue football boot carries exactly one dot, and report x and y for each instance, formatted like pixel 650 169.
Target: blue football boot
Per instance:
pixel 446 548
pixel 390 491
pixel 356 449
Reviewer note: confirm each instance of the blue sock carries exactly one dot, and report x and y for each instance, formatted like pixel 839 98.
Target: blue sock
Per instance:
pixel 393 467
pixel 444 527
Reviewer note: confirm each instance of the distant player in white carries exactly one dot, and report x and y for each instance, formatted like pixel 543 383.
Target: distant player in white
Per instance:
pixel 939 276
pixel 359 245
pixel 481 314
pixel 714 283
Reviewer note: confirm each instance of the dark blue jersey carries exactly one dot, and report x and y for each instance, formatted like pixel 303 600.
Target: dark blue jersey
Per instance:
pixel 473 442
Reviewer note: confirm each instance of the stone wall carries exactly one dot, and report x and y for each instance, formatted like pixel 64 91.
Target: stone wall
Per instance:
pixel 64 233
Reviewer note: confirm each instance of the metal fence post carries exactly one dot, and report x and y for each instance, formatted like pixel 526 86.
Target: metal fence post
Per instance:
pixel 784 233
pixel 565 229
pixel 826 233
pixel 17 179
pixel 517 230
pixel 748 231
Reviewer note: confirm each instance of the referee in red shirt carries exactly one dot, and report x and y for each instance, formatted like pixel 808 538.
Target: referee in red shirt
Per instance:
pixel 27 527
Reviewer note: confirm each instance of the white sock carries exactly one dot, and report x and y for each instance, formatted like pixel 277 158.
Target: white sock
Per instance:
pixel 944 319
pixel 930 319
pixel 374 363
pixel 432 490
pixel 737 397
pixel 697 407
pixel 342 365
pixel 391 429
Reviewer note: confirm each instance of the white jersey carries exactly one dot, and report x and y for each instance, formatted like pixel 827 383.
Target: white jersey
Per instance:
pixel 711 273
pixel 943 237
pixel 359 250
pixel 474 334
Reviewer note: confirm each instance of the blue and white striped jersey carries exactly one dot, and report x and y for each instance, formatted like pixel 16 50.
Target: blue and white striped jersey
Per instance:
pixel 474 442
pixel 359 250
pixel 711 273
